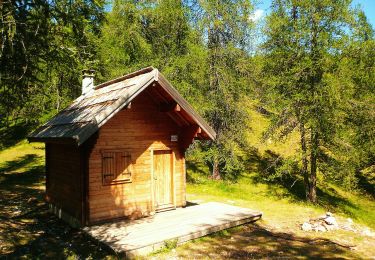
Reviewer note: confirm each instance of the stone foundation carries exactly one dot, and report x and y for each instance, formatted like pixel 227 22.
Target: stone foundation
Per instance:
pixel 61 214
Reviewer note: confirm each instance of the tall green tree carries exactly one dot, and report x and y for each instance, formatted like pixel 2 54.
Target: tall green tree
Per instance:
pixel 123 46
pixel 201 47
pixel 139 34
pixel 226 27
pixel 303 50
pixel 359 132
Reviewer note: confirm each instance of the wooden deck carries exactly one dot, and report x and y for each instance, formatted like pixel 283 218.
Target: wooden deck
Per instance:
pixel 140 237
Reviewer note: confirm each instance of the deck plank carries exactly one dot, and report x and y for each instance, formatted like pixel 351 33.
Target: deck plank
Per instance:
pixel 142 236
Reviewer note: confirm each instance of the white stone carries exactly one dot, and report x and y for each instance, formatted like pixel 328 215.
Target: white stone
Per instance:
pixel 330 227
pixel 368 232
pixel 348 225
pixel 306 226
pixel 320 228
pixel 330 221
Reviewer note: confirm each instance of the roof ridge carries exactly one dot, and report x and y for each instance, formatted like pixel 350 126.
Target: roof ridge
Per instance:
pixel 127 76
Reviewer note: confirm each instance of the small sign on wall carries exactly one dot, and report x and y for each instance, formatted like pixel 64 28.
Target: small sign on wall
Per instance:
pixel 174 138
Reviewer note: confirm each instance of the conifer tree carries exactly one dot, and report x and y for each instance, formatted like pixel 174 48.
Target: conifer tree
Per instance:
pixel 227 26
pixel 305 40
pixel 44 45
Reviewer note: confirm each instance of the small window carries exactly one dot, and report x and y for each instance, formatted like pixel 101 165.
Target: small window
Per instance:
pixel 116 167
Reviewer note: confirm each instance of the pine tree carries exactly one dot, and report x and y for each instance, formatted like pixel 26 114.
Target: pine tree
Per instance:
pixel 305 40
pixel 123 46
pixel 226 26
pixel 43 48
pixel 358 64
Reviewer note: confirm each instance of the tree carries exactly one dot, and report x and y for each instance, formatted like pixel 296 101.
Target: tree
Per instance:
pixel 139 34
pixel 44 46
pixel 359 133
pixel 123 46
pixel 200 47
pixel 226 27
pixel 303 51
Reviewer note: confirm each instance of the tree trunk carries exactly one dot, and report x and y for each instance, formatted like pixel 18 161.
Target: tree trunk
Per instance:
pixel 313 165
pixel 213 47
pixel 215 170
pixel 305 173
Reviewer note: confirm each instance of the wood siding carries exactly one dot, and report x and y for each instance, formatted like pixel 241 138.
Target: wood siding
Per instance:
pixel 139 130
pixel 64 186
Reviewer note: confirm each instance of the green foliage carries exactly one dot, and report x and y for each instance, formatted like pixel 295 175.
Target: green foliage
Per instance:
pixel 171 244
pixel 44 46
pixel 313 76
pixel 227 27
pixel 309 81
pixel 122 45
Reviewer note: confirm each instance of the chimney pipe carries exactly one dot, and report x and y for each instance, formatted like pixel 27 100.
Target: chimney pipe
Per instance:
pixel 87 80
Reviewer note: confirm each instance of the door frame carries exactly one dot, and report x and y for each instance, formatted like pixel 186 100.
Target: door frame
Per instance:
pixel 173 190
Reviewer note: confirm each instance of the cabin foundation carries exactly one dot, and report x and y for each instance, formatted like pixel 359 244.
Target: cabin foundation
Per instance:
pixel 61 214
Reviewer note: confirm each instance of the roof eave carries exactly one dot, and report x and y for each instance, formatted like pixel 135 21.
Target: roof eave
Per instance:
pixel 68 140
pixel 167 86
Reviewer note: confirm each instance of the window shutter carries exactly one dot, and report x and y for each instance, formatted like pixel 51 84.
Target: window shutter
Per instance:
pixel 116 166
pixel 126 165
pixel 108 171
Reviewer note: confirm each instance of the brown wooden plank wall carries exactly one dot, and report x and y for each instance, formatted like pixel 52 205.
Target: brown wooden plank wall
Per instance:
pixel 140 129
pixel 64 179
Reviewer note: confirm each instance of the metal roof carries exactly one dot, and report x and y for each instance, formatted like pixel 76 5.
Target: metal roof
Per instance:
pixel 90 111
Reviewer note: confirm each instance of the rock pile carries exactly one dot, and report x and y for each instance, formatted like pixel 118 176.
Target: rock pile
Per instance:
pixel 328 222
pixel 322 224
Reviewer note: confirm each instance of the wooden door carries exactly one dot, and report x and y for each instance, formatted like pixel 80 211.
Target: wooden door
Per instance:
pixel 163 179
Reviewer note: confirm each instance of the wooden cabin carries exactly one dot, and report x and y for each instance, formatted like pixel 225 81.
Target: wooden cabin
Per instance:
pixel 118 150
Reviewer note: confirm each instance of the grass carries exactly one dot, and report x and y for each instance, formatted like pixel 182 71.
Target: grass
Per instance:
pixel 248 192
pixel 27 229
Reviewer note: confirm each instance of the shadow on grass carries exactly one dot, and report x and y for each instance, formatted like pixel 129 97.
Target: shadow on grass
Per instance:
pixel 196 168
pixel 19 181
pixel 252 241
pixel 12 134
pixel 27 229
pixel 265 165
pixel 366 181
pixel 19 163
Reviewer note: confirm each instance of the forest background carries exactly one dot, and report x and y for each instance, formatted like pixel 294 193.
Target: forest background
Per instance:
pixel 308 67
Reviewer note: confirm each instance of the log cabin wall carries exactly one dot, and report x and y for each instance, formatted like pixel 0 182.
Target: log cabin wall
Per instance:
pixel 64 181
pixel 137 130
